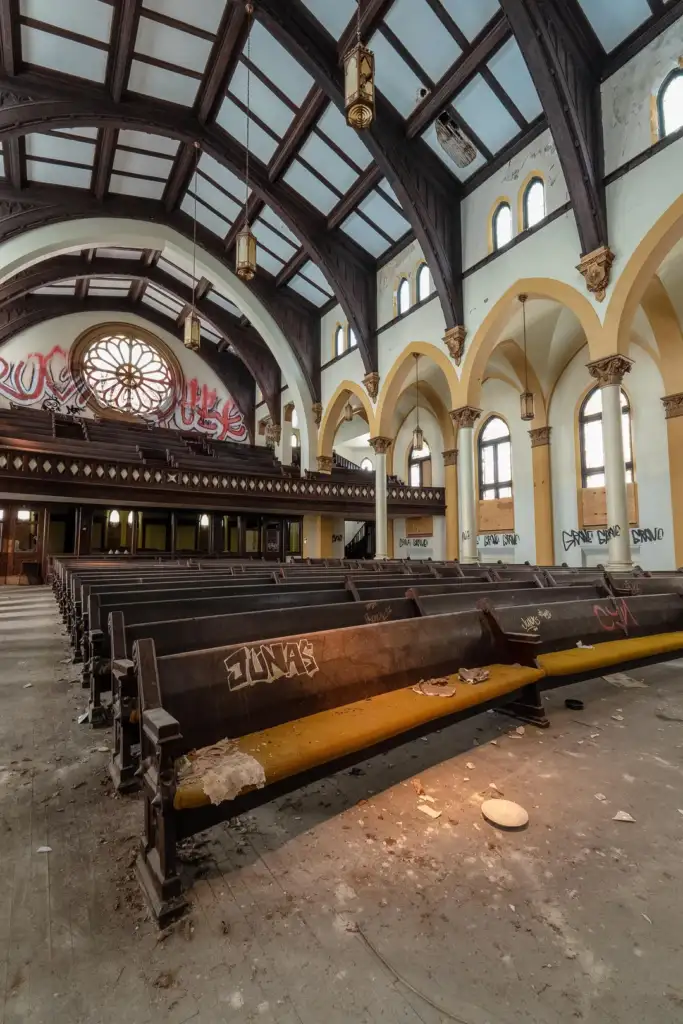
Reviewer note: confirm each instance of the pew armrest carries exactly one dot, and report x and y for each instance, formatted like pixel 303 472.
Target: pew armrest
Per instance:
pixel 160 727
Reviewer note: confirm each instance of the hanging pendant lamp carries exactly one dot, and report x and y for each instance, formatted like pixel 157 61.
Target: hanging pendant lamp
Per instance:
pixel 526 399
pixel 359 83
pixel 192 327
pixel 245 243
pixel 418 435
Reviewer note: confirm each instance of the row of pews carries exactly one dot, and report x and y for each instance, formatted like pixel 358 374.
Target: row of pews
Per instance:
pixel 231 683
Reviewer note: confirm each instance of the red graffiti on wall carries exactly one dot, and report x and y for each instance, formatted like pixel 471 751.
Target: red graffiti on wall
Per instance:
pixel 42 376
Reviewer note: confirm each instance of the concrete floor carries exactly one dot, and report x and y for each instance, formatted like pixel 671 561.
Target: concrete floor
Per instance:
pixel 344 902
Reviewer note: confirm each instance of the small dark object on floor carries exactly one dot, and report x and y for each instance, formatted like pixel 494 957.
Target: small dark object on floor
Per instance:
pixel 573 704
pixel 356 771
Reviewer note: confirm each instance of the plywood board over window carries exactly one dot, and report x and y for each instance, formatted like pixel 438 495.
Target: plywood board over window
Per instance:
pixel 420 526
pixel 496 516
pixel 593 506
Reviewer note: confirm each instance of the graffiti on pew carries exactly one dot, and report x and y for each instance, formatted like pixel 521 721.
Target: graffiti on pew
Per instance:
pixel 530 623
pixel 615 618
pixel 639 535
pixel 266 663
pixel 498 540
pixel 377 616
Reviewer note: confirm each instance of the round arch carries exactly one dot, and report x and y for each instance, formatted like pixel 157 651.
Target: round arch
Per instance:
pixel 395 382
pixel 488 337
pixel 333 411
pixel 515 357
pixel 632 283
pixel 41 243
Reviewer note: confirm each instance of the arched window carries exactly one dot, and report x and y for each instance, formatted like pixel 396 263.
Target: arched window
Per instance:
pixel 295 441
pixel 295 419
pixel 128 373
pixel 366 465
pixel 339 341
pixel 534 203
pixel 670 104
pixel 502 225
pixel 403 296
pixel 425 285
pixel 590 435
pixel 419 466
pixel 353 340
pixel 495 460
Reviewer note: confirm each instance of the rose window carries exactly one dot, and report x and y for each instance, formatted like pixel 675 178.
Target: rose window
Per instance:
pixel 127 374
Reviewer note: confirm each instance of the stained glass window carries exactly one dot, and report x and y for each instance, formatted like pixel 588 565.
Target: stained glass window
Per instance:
pixel 127 374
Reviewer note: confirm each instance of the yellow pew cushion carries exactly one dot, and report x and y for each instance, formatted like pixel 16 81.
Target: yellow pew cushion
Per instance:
pixel 263 758
pixel 578 660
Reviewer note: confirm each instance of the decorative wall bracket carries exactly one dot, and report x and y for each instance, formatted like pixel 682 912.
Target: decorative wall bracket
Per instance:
pixel 466 416
pixel 450 457
pixel 325 463
pixel 317 412
pixel 610 370
pixel 380 445
pixel 273 434
pixel 371 384
pixel 595 267
pixel 540 436
pixel 454 340
pixel 673 406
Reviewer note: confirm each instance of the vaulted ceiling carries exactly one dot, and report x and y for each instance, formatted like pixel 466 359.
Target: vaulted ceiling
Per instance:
pixel 101 102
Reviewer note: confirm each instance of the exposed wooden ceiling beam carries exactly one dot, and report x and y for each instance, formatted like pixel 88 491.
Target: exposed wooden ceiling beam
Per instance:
pixel 291 268
pixel 14 152
pixel 362 188
pixel 311 110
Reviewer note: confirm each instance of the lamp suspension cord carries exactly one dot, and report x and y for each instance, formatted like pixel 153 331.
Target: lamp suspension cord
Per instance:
pixel 194 227
pixel 526 364
pixel 417 392
pixel 250 9
pixel 358 23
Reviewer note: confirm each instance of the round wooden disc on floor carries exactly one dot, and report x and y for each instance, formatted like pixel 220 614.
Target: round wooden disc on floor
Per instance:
pixel 504 814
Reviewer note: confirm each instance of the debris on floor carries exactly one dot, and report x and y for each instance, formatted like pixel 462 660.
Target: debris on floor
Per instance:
pixel 601 797
pixel 623 816
pixel 44 849
pixel 504 814
pixel 473 675
pixel 418 787
pixel 430 811
pixel 585 647
pixel 626 681
pixel 574 705
pixel 443 687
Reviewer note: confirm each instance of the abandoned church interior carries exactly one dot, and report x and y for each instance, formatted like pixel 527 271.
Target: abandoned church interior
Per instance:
pixel 341 511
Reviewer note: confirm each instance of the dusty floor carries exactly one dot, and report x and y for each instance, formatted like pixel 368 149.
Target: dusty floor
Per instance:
pixel 345 903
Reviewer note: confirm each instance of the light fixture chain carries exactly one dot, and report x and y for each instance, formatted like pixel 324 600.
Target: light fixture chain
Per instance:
pixel 250 9
pixel 194 228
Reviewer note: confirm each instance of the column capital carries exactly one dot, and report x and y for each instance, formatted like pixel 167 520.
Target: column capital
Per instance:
pixel 610 370
pixel 317 412
pixel 325 463
pixel 540 436
pixel 454 340
pixel 371 384
pixel 287 412
pixel 450 457
pixel 465 416
pixel 595 267
pixel 673 405
pixel 380 445
pixel 273 434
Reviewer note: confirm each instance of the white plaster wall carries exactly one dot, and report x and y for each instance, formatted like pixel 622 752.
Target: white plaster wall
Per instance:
pixel 426 323
pixel 433 437
pixel 644 387
pixel 350 367
pixel 403 265
pixel 44 350
pixel 420 548
pixel 627 98
pixel 328 325
pixel 502 400
pixel 540 156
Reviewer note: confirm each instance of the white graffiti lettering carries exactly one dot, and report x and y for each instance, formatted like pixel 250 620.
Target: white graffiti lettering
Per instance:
pixel 266 663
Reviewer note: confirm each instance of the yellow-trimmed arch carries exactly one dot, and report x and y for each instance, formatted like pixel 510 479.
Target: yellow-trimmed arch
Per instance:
pixel 395 382
pixel 333 411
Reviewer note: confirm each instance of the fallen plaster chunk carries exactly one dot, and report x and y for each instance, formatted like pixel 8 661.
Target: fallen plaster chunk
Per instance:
pixel 504 814
pixel 624 680
pixel 435 687
pixel 430 811
pixel 473 675
pixel 623 816
pixel 223 771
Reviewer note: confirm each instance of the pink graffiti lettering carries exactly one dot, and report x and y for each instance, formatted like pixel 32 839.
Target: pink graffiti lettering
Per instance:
pixel 615 619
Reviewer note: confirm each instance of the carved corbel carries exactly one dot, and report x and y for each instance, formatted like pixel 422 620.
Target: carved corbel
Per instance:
pixel 610 370
pixel 287 412
pixel 466 416
pixel 673 406
pixel 540 436
pixel 371 384
pixel 380 445
pixel 454 340
pixel 317 412
pixel 450 457
pixel 325 463
pixel 595 267
pixel 273 434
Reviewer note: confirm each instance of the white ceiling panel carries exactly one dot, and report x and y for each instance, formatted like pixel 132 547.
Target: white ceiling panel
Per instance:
pixel 2 166
pixel 141 163
pixel 361 232
pixel 302 287
pixel 315 274
pixel 174 271
pixel 227 208
pixel 328 163
pixel 64 288
pixel 54 148
pixel 268 262
pixel 80 132
pixel 471 15
pixel 90 18
pixel 145 140
pixel 221 300
pixel 384 215
pixel 419 29
pixel 163 42
pixel 222 176
pixel 163 296
pixel 210 220
pixel 141 187
pixel 153 81
pixel 271 218
pixel 108 290
pixel 278 65
pixel 159 306
pixel 393 76
pixel 385 187
pixel 264 103
pixel 234 120
pixel 58 174
pixel 120 284
pixel 266 236
pixel 461 173
pixel 333 124
pixel 479 106
pixel 206 14
pixel 60 54
pixel 306 184
pixel 334 16
pixel 613 22
pixel 120 254
pixel 509 67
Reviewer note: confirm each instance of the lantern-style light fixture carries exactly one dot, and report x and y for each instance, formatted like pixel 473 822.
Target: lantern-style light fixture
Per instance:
pixel 526 399
pixel 359 83
pixel 192 328
pixel 245 243
pixel 418 435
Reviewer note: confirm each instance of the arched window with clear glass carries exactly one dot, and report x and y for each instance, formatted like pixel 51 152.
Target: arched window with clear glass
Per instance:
pixel 533 203
pixel 502 225
pixel 670 104
pixel 425 285
pixel 420 466
pixel 591 439
pixel 353 340
pixel 403 297
pixel 495 460
pixel 366 465
pixel 339 341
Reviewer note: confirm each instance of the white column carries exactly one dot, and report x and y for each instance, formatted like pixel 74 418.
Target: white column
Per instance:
pixel 464 420
pixel 380 446
pixel 609 373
